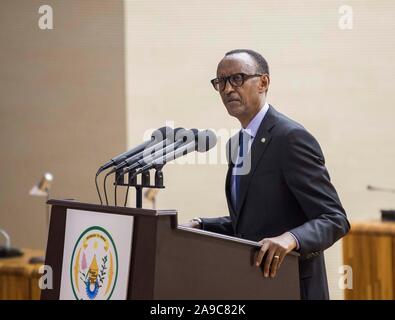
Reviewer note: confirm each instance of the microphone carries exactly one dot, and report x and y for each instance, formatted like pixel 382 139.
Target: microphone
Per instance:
pixel 150 149
pixel 386 214
pixel 182 137
pixel 371 188
pixel 157 136
pixel 7 251
pixel 205 141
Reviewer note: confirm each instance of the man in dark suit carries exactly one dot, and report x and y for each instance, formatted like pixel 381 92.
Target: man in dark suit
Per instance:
pixel 277 186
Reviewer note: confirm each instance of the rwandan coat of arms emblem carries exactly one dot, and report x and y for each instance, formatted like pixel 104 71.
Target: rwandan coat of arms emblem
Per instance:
pixel 94 265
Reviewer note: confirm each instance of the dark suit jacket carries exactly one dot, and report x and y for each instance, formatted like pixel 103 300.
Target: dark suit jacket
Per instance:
pixel 287 189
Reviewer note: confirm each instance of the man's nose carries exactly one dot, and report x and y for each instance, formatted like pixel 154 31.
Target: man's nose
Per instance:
pixel 228 87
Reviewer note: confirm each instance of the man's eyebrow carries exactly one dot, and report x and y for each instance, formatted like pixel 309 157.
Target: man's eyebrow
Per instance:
pixel 227 75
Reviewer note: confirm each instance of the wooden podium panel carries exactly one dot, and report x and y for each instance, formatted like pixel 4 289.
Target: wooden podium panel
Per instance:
pixel 369 249
pixel 18 278
pixel 208 266
pixel 173 262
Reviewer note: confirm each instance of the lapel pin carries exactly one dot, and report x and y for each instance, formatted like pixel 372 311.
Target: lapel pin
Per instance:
pixel 263 140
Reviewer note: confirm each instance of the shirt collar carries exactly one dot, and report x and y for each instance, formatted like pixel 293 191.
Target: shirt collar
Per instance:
pixel 254 124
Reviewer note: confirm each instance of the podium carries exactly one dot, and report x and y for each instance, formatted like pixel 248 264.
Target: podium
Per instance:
pixel 155 259
pixel 369 249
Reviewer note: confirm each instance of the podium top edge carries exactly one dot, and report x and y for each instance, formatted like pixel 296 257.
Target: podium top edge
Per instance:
pixel 215 235
pixel 73 204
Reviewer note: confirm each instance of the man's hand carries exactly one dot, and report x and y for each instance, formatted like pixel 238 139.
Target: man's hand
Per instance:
pixel 275 249
pixel 192 224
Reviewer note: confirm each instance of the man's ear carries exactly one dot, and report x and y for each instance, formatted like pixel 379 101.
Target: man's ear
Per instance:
pixel 264 83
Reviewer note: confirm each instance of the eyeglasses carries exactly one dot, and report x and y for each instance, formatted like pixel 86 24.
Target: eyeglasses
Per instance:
pixel 236 80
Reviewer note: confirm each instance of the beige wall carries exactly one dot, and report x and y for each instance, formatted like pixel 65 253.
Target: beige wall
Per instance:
pixel 62 105
pixel 338 83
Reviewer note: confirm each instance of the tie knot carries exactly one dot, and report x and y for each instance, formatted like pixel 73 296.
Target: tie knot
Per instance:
pixel 245 134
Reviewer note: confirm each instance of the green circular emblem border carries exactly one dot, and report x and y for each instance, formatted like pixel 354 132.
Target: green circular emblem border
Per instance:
pixel 75 247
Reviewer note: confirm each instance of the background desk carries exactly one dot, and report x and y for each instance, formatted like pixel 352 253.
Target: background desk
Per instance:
pixel 369 249
pixel 18 278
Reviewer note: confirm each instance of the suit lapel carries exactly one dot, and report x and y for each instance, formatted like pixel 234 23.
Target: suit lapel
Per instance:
pixel 228 191
pixel 258 148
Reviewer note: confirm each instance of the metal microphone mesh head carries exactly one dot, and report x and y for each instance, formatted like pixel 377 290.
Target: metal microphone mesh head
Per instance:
pixel 206 140
pixel 162 134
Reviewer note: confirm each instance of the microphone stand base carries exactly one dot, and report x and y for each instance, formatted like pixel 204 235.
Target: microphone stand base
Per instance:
pixel 10 252
pixel 388 215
